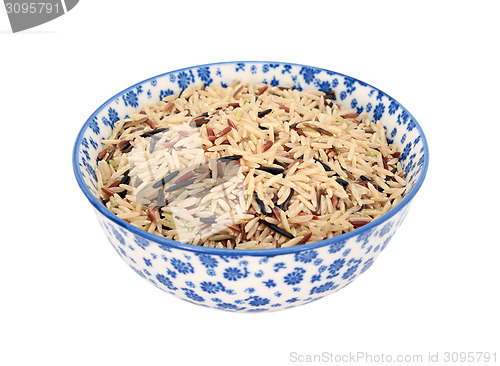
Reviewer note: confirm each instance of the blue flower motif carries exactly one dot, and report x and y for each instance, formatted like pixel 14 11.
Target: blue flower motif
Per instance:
pixel 229 306
pixel 164 247
pixel 263 260
pixel 363 238
pixel 274 82
pixel 141 242
pixel 85 143
pixel 259 273
pixel 233 274
pixel 278 266
pixel 253 69
pixel 337 247
pixel 190 284
pixel 147 262
pixel 286 69
pixel 118 236
pixel 250 290
pixel 411 125
pixel 354 103
pixel 166 281
pixel 265 68
pixel 393 107
pixel 417 140
pixel 378 112
pixel 240 67
pixel 123 252
pixel 130 99
pixel 394 132
pixel 139 89
pixel 172 78
pixel 192 295
pixel 269 283
pixel 171 273
pixel 421 161
pixel 292 300
pixel 204 75
pixel 209 287
pixel 113 115
pixel 308 73
pixel 403 138
pixel 94 126
pixel 402 118
pixel 165 93
pixel 91 171
pixel 335 267
pixel 367 265
pixel 184 79
pixel 349 84
pixel 328 286
pixel 315 278
pixel 406 152
pixel 295 277
pixel 86 155
pixel 385 243
pixel 350 271
pixel 211 272
pixel 323 86
pixel 258 301
pixel 385 229
pixel 182 267
pixel 154 82
pixel 343 95
pixel 306 257
pixel 106 122
pixel 335 82
pixel 243 263
pixel 369 107
pixel 208 261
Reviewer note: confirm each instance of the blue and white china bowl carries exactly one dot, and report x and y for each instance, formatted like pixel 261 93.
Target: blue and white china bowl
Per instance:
pixel 253 280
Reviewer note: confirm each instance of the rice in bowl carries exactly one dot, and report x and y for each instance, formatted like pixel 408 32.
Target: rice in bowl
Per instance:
pixel 249 166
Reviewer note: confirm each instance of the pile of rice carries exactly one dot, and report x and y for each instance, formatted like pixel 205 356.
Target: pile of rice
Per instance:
pixel 249 166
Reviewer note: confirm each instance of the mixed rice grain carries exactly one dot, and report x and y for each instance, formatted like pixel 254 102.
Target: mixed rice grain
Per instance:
pixel 249 166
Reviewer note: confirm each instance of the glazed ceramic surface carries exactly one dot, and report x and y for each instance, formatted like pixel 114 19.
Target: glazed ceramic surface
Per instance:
pixel 253 280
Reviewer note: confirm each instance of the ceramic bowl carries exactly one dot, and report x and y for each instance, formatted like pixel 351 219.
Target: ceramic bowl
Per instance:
pixel 253 280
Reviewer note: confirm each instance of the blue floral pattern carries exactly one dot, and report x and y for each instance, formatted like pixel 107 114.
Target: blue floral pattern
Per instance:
pixel 248 280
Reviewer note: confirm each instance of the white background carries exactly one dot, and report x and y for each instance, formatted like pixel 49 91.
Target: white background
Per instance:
pixel 68 299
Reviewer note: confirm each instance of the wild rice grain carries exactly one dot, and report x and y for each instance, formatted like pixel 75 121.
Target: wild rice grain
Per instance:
pixel 166 179
pixel 277 229
pixel 225 159
pixel 178 186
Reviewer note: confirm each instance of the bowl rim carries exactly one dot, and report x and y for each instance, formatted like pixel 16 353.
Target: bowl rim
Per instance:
pixel 244 252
